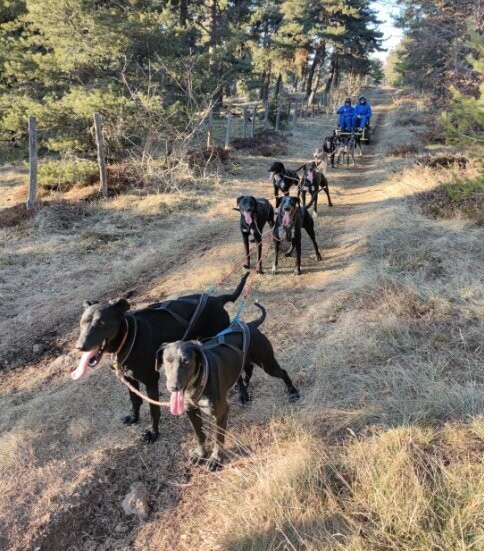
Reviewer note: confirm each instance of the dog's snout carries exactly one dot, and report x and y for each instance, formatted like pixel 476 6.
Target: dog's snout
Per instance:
pixel 80 346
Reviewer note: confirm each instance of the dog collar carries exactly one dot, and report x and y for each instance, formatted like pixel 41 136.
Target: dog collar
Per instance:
pixel 203 381
pixel 116 355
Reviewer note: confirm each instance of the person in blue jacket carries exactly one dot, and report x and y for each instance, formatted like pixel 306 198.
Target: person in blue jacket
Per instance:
pixel 346 114
pixel 362 113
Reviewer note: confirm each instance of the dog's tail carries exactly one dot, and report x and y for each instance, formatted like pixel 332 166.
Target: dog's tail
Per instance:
pixel 259 321
pixel 236 294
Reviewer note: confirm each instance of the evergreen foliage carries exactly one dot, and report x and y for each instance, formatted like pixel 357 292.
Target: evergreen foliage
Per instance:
pixel 150 67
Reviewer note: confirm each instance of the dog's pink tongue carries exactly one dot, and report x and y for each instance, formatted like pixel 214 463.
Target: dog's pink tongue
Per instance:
pixel 81 369
pixel 286 218
pixel 248 218
pixel 177 403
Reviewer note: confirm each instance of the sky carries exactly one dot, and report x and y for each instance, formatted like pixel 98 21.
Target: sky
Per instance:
pixel 391 35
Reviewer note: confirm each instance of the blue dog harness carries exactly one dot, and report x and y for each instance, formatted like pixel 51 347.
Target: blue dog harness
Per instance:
pixel 237 326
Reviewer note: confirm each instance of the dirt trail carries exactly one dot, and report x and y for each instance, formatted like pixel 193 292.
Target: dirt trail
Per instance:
pixel 73 457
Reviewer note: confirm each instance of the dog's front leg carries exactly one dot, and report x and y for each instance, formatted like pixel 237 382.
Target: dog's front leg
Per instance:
pixel 242 393
pixel 153 392
pixel 136 402
pixel 326 190
pixel 216 457
pixel 276 256
pixel 276 196
pixel 304 198
pixel 297 244
pixel 199 453
pixel 315 204
pixel 259 255
pixel 245 237
pixel 309 227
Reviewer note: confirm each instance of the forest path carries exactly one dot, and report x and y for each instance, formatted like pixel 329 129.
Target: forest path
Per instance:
pixel 67 458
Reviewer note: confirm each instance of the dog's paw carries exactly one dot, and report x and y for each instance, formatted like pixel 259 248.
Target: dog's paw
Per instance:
pixel 243 398
pixel 130 420
pixel 319 257
pixel 330 205
pixel 315 214
pixel 247 265
pixel 214 463
pixel 297 271
pixel 274 270
pixel 294 396
pixel 149 437
pixel 260 270
pixel 197 457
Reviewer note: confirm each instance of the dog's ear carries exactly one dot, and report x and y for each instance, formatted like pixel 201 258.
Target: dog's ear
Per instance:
pixel 239 199
pixel 196 350
pixel 88 303
pixel 121 304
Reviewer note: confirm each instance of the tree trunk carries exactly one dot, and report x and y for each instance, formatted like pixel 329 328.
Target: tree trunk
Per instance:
pixel 318 58
pixel 337 73
pixel 183 13
pixel 278 86
pixel 264 95
pixel 314 91
pixel 312 68
pixel 214 65
pixel 329 82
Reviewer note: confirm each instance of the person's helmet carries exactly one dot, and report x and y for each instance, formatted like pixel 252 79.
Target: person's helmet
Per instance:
pixel 362 98
pixel 348 100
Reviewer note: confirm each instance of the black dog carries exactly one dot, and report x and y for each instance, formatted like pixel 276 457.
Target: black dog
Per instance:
pixel 134 338
pixel 291 218
pixel 282 180
pixel 328 150
pixel 312 182
pixel 200 375
pixel 346 150
pixel 254 214
pixel 358 142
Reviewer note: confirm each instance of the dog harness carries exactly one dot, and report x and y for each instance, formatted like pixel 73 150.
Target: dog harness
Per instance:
pixel 129 337
pixel 236 327
pixel 201 303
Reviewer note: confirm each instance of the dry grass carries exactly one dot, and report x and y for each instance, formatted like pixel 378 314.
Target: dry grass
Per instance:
pixel 108 245
pixel 383 338
pixel 402 488
pixel 386 451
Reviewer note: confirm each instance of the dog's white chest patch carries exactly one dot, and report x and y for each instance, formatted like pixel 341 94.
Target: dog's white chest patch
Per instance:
pixel 285 233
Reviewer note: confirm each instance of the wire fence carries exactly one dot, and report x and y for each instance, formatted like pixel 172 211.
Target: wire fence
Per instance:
pixel 216 129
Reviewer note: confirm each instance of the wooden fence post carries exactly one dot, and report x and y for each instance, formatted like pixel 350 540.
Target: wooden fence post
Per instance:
pixel 295 115
pixel 278 118
pixel 32 192
pixel 209 131
pixel 244 123
pixel 289 107
pixel 100 154
pixel 227 133
pixel 317 108
pixel 252 128
pixel 266 114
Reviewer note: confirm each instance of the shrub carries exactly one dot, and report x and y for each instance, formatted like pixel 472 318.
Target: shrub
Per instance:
pixel 66 174
pixel 462 197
